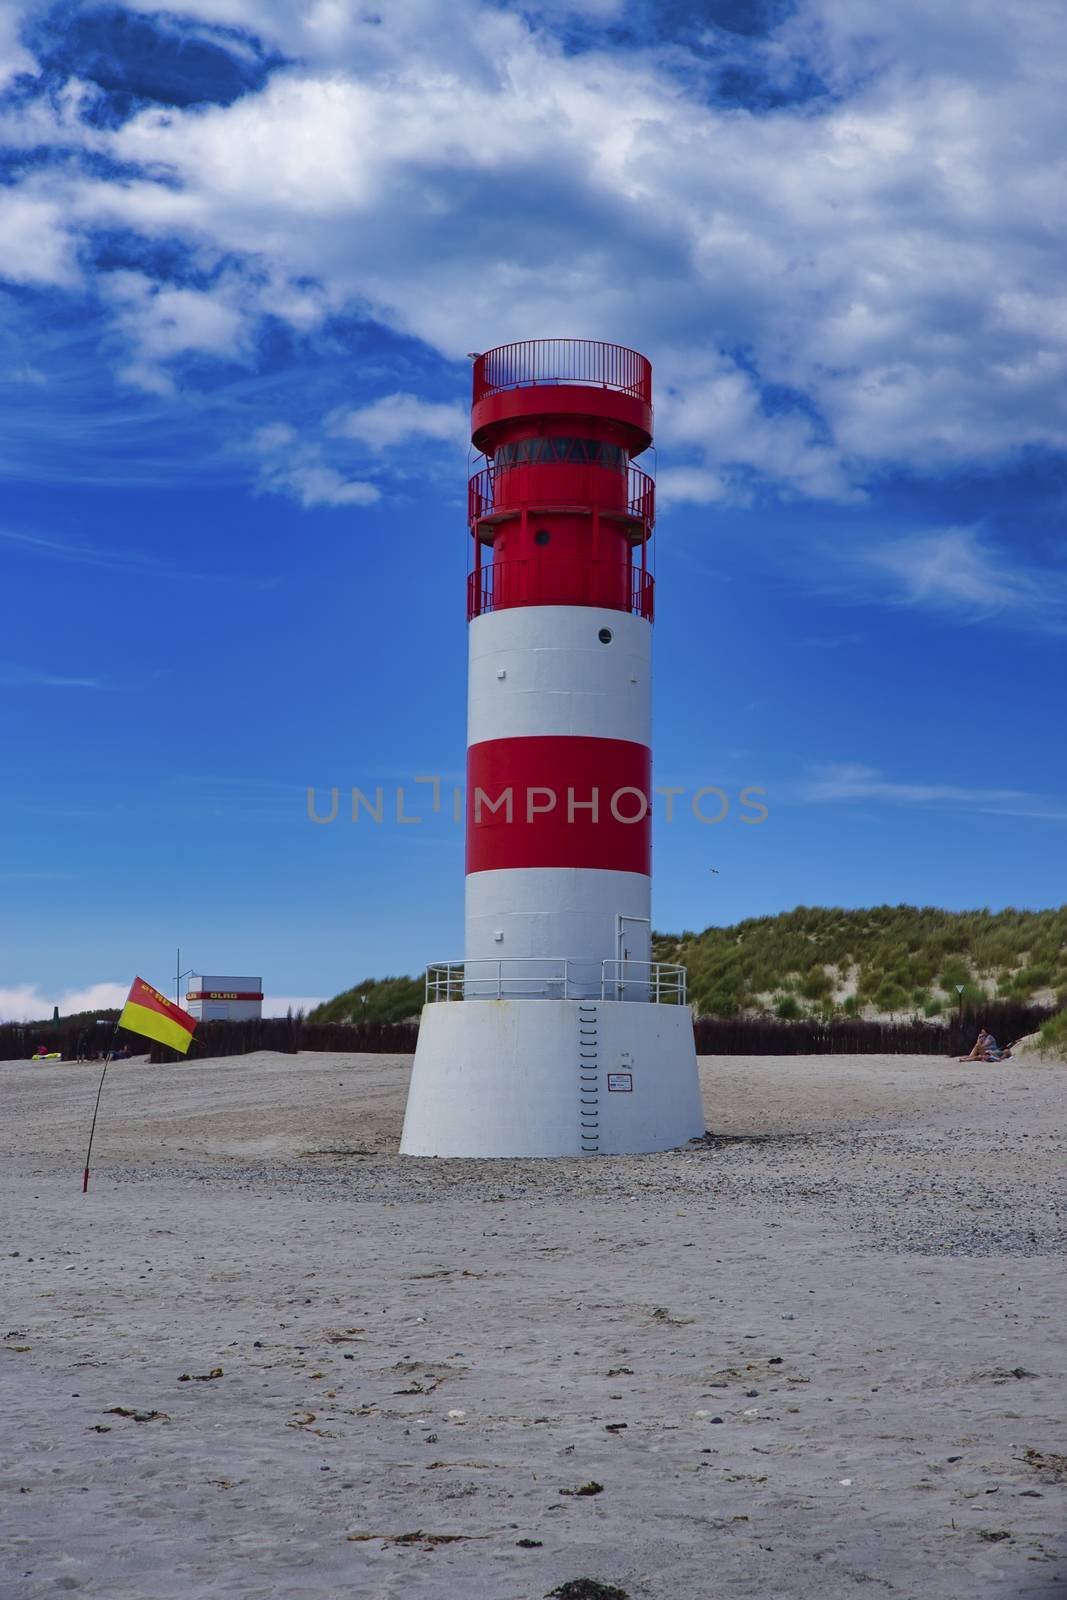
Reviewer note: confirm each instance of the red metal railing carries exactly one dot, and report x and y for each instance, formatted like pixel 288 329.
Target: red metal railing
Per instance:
pixel 535 581
pixel 569 488
pixel 608 366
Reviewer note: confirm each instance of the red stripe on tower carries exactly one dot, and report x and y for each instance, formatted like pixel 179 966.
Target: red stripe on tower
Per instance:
pixel 224 994
pixel 559 802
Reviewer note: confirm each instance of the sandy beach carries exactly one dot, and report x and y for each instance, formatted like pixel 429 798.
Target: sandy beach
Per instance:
pixel 820 1352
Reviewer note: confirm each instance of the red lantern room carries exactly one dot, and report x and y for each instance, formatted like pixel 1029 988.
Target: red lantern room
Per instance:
pixel 559 513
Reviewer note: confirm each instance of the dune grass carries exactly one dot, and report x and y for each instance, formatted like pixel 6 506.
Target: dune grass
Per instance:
pixel 373 1000
pixel 1053 1036
pixel 823 962
pixel 903 960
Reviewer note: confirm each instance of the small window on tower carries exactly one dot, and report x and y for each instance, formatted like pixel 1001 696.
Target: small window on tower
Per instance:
pixel 605 635
pixel 542 536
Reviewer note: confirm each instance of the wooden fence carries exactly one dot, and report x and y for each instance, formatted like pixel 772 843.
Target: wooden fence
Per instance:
pixel 715 1036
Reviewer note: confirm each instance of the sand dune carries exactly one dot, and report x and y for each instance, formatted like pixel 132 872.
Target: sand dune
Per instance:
pixel 819 1352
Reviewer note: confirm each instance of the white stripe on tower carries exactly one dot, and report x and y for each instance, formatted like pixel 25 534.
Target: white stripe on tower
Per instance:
pixel 556 704
pixel 544 670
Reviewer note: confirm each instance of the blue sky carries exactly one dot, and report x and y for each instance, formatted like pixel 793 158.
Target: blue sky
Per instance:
pixel 244 249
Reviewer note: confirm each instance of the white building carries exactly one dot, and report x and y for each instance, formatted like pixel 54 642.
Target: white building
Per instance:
pixel 210 998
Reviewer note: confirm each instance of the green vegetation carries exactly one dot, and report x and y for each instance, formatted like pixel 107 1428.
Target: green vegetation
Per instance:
pixel 1054 1035
pixel 373 1000
pixel 903 960
pixel 825 962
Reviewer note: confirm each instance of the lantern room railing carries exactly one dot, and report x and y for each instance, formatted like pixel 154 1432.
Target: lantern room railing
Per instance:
pixel 536 581
pixel 537 488
pixel 581 361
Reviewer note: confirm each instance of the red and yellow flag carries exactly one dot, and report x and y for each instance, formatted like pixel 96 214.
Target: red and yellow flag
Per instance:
pixel 151 1013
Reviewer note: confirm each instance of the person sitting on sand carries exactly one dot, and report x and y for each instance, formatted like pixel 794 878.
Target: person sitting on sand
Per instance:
pixel 987 1049
pixel 981 1045
pixel 994 1052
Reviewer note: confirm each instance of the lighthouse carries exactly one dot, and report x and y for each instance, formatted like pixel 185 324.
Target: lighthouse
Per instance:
pixel 556 1033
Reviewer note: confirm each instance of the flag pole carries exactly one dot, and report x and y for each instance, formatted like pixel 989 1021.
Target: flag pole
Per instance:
pixel 152 1015
pixel 96 1108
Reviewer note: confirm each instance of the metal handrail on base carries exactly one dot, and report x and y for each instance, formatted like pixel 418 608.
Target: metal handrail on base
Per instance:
pixel 557 978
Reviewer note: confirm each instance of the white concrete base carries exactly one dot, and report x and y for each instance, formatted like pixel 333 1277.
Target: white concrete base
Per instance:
pixel 552 1078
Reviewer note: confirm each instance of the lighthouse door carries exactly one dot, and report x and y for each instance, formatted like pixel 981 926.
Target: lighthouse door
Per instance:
pixel 633 937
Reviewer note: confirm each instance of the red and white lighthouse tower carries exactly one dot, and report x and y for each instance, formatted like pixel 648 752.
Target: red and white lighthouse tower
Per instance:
pixel 564 1037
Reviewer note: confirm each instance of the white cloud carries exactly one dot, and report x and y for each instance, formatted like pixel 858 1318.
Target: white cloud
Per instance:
pixel 162 322
pixel 13 676
pixel 94 997
pixel 28 1003
pixel 398 418
pixel 316 485
pixel 851 782
pixel 93 555
pixel 953 569
pixel 293 467
pixel 336 34
pixel 950 566
pixel 23 1004
pixel 55 120
pixel 870 278
pixel 696 485
pixel 35 245
pixel 14 58
pixel 274 436
pixel 713 406
pixel 309 471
